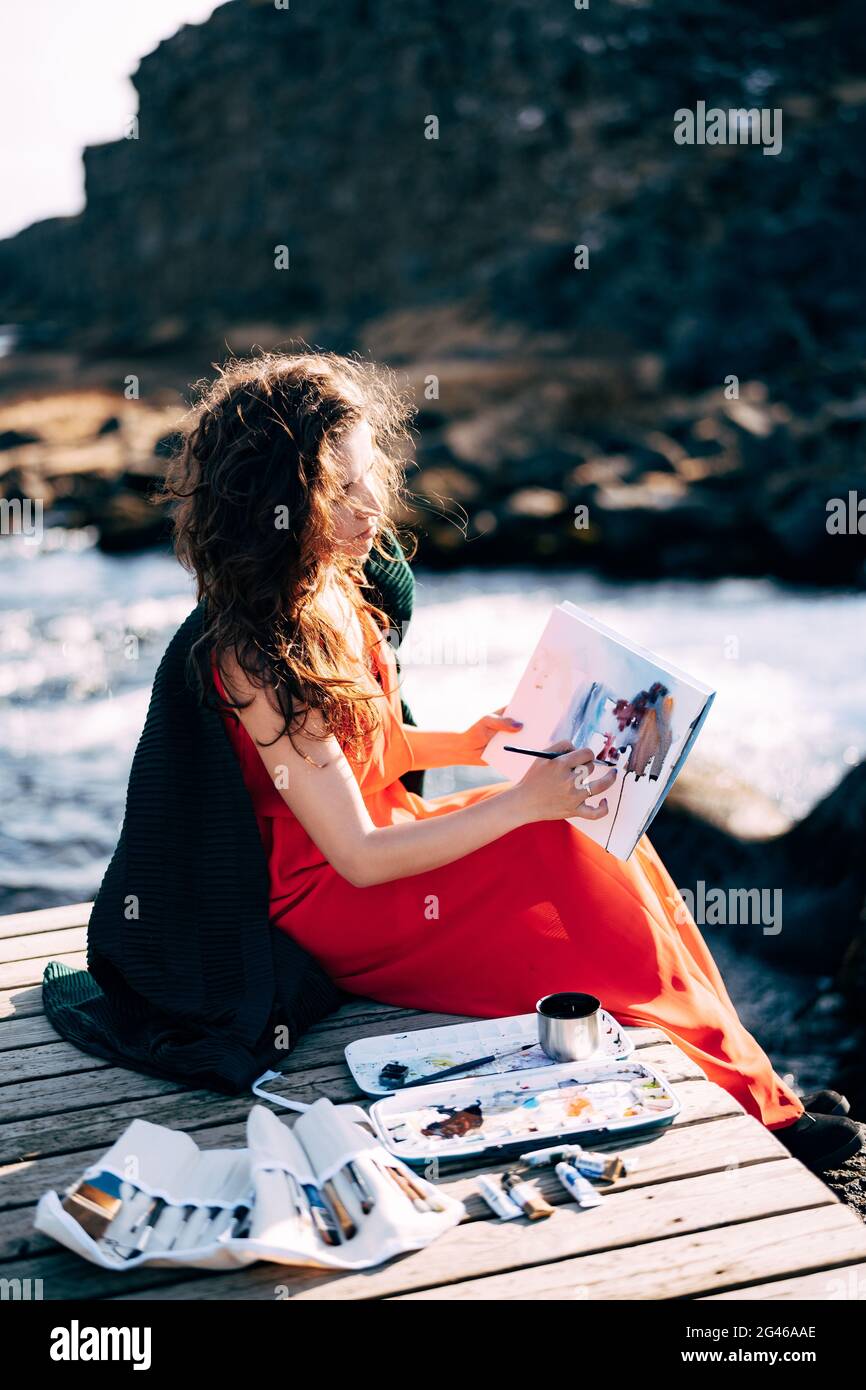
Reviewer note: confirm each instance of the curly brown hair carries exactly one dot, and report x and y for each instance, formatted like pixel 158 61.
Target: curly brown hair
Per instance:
pixel 254 487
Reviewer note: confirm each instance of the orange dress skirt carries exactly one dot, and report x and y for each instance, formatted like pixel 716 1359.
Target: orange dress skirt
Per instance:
pixel 541 909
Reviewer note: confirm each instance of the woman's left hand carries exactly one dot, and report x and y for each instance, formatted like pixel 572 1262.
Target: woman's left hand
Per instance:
pixel 477 737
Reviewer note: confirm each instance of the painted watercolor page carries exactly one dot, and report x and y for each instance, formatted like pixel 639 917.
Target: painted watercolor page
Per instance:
pixel 639 714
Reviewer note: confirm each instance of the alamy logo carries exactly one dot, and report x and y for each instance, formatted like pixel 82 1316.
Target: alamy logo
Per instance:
pixel 846 516
pixel 21 517
pixel 20 1289
pixel 77 1343
pixel 723 907
pixel 736 126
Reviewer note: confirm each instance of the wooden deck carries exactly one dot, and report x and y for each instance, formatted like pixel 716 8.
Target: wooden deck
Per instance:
pixel 716 1209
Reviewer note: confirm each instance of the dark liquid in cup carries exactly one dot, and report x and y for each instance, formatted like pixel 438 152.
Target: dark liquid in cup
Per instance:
pixel 569 1005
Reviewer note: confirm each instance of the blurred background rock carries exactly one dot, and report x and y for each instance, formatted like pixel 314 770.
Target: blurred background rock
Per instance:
pixel 554 388
pixel 454 257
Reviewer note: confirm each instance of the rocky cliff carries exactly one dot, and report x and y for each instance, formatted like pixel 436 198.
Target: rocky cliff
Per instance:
pixel 308 129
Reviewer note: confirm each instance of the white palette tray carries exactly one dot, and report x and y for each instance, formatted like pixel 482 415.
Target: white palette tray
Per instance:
pixel 582 1102
pixel 435 1049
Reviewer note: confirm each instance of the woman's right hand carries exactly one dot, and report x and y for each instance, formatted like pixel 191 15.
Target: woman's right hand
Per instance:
pixel 549 791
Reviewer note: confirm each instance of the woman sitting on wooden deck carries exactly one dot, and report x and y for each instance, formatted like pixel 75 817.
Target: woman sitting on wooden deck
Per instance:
pixel 472 903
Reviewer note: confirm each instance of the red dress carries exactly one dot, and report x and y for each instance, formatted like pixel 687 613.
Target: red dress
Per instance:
pixel 541 909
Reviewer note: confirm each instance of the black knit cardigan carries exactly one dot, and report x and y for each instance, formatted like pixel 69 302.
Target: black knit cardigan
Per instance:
pixel 186 977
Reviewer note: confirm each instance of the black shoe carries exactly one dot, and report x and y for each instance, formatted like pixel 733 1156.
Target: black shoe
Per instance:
pixel 826 1103
pixel 821 1141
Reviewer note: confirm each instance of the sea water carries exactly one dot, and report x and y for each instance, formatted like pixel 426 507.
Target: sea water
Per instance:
pixel 81 634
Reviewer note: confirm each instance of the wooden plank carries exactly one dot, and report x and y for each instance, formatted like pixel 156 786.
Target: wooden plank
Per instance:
pixel 477 1252
pixel 316 1059
pixel 29 1060
pixel 53 943
pixel 351 1021
pixel 705 1213
pixel 684 1266
pixel 677 1153
pixel 58 1095
pixel 48 919
pixel 24 1002
pixel 32 1031
pixel 23 1182
pixel 714 1151
pixel 486 1246
pixel 20 973
pixel 57 1059
pixel 36 1031
pixel 100 1104
pixel 22 1179
pixel 323 1048
pixel 29 1113
pixel 847 1282
pixel 685 1152
pixel 316 1046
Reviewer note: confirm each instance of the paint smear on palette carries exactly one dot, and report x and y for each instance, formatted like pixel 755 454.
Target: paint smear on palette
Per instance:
pixel 456 1122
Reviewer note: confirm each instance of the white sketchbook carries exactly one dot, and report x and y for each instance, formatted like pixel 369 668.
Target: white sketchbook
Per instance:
pixel 636 712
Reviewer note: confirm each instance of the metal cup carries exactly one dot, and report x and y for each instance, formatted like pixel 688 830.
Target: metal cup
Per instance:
pixel 568 1026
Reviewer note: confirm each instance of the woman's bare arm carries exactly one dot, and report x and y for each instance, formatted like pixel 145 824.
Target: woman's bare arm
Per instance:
pixel 326 799
pixel 435 748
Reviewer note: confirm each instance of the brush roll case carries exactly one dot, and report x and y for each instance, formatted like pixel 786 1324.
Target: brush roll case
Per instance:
pixel 263 1180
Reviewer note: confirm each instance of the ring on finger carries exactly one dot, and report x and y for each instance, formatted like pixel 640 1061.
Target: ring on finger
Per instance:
pixel 594 787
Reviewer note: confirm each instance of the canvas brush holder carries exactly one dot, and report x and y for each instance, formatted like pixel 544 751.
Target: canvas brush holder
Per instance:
pixel 243 1203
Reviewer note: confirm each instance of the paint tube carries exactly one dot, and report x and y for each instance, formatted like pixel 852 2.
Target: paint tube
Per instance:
pixel 166 1228
pixel 607 1167
pixel 541 1158
pixel 192 1233
pixel 500 1203
pixel 577 1187
pixel 531 1204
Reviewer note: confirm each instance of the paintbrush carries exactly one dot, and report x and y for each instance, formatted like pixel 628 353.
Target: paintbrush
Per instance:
pixel 344 1220
pixel 534 752
pixel 362 1190
pixel 418 1199
pixel 323 1217
pixel 409 1177
pixel 540 753
pixel 465 1066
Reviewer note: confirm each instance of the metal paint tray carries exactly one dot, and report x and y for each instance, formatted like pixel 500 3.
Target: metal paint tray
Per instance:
pixel 432 1049
pixel 507 1114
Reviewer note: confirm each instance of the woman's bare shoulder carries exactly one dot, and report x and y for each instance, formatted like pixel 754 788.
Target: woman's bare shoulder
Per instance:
pixel 259 708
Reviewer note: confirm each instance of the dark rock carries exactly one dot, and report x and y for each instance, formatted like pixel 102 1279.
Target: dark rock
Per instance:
pixel 168 445
pixel 544 369
pixel 19 484
pixel 340 172
pixel 818 865
pixel 128 523
pixel 142 484
pixel 13 439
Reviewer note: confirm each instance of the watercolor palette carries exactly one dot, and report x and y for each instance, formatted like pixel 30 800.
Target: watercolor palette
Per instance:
pixel 400 1058
pixel 580 1101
